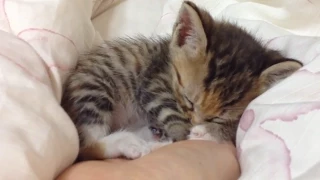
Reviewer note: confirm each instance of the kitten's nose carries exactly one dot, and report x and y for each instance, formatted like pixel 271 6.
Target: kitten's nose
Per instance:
pixel 196 119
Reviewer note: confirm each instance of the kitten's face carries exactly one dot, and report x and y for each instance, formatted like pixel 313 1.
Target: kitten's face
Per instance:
pixel 221 103
pixel 218 69
pixel 224 99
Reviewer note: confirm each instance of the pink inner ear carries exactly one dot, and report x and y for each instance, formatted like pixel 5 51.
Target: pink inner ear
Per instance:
pixel 185 29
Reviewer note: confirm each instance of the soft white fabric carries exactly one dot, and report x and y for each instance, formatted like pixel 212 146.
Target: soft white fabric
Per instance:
pixel 129 17
pixel 41 40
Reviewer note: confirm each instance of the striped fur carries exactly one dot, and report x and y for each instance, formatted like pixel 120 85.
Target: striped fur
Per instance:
pixel 205 75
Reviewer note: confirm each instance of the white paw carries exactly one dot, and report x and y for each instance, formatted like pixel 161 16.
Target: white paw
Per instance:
pixel 199 132
pixel 133 147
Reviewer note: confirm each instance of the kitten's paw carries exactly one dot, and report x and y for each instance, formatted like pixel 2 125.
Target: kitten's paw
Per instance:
pixel 199 132
pixel 133 148
pixel 134 151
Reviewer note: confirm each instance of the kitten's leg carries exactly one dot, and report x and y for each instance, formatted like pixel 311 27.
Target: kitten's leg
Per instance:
pixel 124 143
pixel 130 144
pixel 90 100
pixel 96 144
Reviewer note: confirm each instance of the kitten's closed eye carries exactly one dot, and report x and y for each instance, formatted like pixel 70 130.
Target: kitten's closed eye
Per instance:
pixel 216 120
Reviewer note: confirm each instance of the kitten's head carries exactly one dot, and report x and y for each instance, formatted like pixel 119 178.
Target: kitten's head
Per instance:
pixel 219 68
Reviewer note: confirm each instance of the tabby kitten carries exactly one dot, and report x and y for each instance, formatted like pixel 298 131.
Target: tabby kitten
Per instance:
pixel 132 95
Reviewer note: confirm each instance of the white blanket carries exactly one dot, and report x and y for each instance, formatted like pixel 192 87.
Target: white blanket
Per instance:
pixel 40 42
pixel 278 134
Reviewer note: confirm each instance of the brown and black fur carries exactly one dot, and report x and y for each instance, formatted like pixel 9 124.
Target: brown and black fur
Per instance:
pixel 207 72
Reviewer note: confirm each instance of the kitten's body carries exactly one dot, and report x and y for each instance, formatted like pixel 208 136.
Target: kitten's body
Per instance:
pixel 202 77
pixel 100 95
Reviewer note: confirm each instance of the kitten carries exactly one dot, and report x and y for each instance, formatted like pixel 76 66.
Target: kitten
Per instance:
pixel 132 95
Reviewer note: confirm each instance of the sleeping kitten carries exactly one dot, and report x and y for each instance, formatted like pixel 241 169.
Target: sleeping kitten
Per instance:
pixel 133 95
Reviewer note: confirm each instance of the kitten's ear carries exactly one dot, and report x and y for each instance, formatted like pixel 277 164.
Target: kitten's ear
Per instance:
pixel 278 72
pixel 189 36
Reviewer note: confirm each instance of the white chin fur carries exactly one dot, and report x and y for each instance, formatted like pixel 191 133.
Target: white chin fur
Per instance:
pixel 200 132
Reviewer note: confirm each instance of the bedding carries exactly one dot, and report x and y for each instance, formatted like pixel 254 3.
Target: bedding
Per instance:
pixel 40 42
pixel 278 133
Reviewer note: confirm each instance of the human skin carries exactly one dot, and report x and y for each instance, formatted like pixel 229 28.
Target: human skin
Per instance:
pixel 187 160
